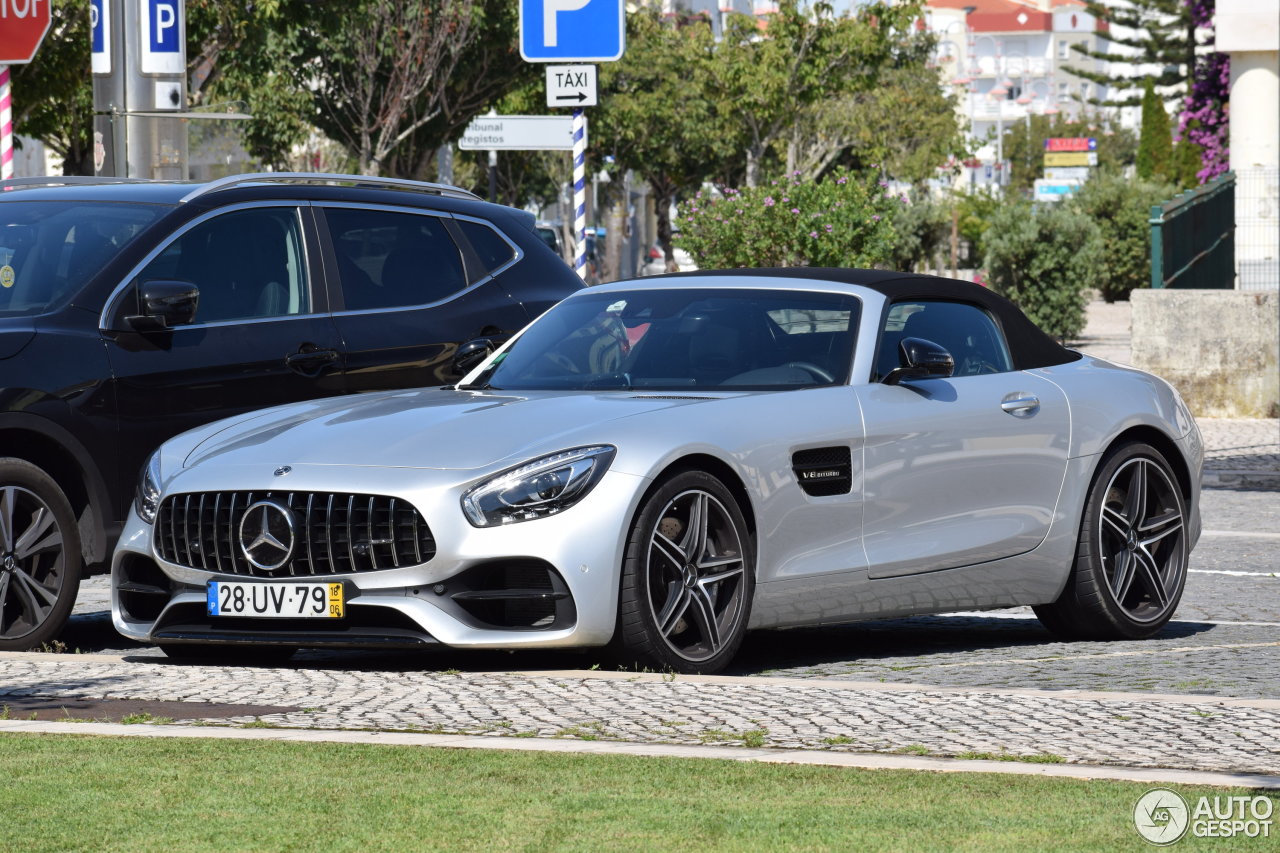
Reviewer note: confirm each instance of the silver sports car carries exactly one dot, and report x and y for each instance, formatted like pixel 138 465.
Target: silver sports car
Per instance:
pixel 663 465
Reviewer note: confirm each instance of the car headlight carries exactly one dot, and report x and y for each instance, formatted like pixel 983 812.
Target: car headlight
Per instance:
pixel 537 489
pixel 147 498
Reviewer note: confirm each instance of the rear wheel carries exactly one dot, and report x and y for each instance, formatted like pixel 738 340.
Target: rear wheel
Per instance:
pixel 687 578
pixel 40 559
pixel 1131 558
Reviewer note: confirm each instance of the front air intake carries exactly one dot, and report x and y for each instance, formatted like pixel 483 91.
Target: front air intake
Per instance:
pixel 823 471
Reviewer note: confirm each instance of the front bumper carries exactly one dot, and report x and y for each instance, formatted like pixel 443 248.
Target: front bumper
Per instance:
pixel 551 582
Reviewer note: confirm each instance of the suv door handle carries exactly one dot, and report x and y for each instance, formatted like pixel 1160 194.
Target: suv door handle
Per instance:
pixel 1020 404
pixel 309 360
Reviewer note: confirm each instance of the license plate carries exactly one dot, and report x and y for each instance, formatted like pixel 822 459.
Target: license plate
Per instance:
pixel 285 600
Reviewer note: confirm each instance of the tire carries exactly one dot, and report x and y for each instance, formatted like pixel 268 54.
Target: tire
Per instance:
pixel 40 558
pixel 230 653
pixel 1131 558
pixel 688 575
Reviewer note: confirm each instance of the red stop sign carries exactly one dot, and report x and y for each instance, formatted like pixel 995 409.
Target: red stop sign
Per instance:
pixel 23 24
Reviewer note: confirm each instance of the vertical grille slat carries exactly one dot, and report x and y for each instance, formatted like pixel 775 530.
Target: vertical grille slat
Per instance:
pixel 307 525
pixel 328 535
pixel 391 533
pixel 332 536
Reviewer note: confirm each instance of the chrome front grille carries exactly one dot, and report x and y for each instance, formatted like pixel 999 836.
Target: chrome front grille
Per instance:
pixel 335 533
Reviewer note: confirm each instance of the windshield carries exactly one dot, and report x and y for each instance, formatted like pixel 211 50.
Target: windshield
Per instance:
pixel 50 249
pixel 683 339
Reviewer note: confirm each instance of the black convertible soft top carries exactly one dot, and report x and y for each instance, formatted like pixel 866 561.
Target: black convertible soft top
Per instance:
pixel 1028 345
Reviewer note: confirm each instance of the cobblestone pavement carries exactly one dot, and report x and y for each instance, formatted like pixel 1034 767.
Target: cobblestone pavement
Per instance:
pixel 1220 735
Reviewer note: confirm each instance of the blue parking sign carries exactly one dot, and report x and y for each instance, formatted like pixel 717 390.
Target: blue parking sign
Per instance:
pixel 572 30
pixel 163 37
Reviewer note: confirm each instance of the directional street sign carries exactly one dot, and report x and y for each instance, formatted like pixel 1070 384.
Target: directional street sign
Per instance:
pixel 1067 173
pixel 518 133
pixel 1071 143
pixel 571 85
pixel 1071 158
pixel 1046 190
pixel 572 30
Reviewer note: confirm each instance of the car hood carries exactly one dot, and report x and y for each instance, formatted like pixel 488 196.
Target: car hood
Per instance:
pixel 428 428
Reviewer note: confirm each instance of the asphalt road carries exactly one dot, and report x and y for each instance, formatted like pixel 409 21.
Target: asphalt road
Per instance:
pixel 1223 641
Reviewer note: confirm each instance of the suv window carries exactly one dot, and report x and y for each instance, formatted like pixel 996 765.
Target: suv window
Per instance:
pixel 50 249
pixel 490 247
pixel 966 331
pixel 248 264
pixel 388 259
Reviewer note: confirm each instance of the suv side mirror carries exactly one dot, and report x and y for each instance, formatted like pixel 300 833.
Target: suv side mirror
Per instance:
pixel 472 353
pixel 921 359
pixel 165 304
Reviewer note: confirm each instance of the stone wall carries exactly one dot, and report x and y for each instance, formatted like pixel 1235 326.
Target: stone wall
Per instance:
pixel 1219 348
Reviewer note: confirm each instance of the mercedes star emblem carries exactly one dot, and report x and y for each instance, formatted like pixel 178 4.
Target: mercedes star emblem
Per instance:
pixel 267 535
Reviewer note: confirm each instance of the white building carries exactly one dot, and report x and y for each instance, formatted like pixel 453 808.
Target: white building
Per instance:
pixel 1249 30
pixel 1007 59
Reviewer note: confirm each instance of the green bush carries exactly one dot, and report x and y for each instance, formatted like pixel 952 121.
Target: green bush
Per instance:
pixel 924 234
pixel 1042 257
pixel 1120 207
pixel 844 220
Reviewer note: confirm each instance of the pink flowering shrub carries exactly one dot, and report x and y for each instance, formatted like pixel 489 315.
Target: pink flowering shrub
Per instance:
pixel 844 220
pixel 1203 119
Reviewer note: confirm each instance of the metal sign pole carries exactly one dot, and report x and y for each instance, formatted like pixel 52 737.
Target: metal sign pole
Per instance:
pixel 580 193
pixel 6 126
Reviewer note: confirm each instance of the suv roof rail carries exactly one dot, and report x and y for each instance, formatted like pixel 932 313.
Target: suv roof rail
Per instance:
pixel 329 178
pixel 64 180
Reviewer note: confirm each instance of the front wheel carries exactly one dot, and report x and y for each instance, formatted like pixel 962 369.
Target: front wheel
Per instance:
pixel 1131 559
pixel 40 558
pixel 687 578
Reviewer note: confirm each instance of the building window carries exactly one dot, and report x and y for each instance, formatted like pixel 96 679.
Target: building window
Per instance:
pixel 1064 49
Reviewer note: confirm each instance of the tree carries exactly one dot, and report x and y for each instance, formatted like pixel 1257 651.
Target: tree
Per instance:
pixel 1042 258
pixel 244 54
pixel 866 128
pixel 1164 35
pixel 759 81
pixel 1121 207
pixel 379 70
pixel 489 68
pixel 53 94
pixel 1155 143
pixel 655 119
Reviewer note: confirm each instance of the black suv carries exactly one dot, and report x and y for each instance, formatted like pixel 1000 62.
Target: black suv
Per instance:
pixel 133 310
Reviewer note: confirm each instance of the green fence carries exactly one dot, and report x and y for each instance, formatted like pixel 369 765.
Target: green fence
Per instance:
pixel 1193 238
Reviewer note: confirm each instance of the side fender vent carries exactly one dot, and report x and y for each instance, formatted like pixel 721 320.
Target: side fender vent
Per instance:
pixel 824 471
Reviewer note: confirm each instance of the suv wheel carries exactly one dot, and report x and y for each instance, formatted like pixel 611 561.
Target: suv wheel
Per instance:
pixel 39 556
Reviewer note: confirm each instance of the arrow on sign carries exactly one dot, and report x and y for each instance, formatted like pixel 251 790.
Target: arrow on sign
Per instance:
pixel 578 96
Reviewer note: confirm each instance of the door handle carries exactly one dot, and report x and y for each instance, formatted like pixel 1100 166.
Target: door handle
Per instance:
pixel 1020 404
pixel 309 361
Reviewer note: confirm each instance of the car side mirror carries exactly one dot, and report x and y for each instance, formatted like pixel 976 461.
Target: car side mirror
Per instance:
pixel 472 353
pixel 165 304
pixel 921 359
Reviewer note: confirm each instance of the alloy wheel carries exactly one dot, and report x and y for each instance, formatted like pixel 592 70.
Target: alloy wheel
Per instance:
pixel 695 579
pixel 31 561
pixel 1142 540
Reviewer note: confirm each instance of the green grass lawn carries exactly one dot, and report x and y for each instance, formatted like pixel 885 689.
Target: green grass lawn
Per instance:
pixel 69 792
